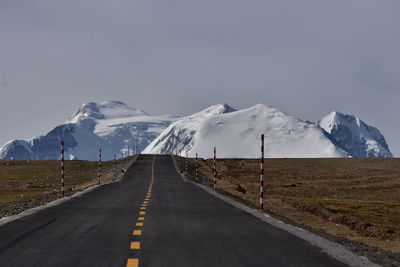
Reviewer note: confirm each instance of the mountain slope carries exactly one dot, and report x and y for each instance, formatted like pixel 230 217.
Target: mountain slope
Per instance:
pixel 115 127
pixel 112 126
pixel 355 136
pixel 236 134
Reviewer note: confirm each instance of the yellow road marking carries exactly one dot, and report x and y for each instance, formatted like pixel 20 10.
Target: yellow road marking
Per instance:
pixel 137 232
pixel 135 245
pixel 132 263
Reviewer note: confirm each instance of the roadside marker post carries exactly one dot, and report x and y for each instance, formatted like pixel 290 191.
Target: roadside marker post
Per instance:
pixel 114 167
pixel 196 169
pixel 62 169
pixel 262 174
pixel 186 172
pixel 99 170
pixel 215 167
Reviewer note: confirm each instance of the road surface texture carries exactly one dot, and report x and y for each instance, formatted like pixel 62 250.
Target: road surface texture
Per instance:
pixel 151 218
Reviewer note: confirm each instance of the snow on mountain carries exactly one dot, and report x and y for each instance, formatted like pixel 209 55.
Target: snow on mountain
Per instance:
pixel 105 110
pixel 237 133
pixel 355 136
pixel 112 126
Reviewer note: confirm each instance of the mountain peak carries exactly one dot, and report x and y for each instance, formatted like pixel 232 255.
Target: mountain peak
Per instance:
pixel 218 109
pixel 335 118
pixel 353 134
pixel 105 110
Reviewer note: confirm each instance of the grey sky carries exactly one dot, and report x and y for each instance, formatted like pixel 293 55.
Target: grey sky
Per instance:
pixel 304 57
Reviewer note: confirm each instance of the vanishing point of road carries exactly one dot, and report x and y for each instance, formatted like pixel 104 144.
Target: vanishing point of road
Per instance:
pixel 151 218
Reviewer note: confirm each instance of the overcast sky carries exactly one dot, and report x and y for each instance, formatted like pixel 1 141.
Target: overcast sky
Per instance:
pixel 305 57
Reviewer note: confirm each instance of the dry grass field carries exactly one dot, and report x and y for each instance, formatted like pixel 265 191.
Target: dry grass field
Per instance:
pixel 356 199
pixel 25 184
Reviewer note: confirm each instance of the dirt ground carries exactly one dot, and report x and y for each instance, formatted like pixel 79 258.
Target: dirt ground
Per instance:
pixel 27 184
pixel 352 199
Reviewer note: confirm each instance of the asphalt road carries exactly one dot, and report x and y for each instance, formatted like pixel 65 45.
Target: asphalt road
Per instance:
pixel 151 218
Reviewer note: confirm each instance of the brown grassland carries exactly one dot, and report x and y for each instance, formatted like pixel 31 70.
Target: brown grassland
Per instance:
pixel 26 184
pixel 355 199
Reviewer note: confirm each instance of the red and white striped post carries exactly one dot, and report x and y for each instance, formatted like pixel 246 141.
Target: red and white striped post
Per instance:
pixel 62 169
pixel 186 172
pixel 99 170
pixel 215 167
pixel 262 174
pixel 196 169
pixel 114 173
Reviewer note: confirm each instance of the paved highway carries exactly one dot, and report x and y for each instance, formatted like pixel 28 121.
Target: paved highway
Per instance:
pixel 151 218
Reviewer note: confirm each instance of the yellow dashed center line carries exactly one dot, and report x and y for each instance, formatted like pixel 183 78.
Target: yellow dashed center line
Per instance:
pixel 132 263
pixel 137 232
pixel 135 245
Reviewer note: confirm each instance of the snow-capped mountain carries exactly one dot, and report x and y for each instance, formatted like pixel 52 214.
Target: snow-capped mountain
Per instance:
pixel 112 126
pixel 355 136
pixel 115 127
pixel 237 133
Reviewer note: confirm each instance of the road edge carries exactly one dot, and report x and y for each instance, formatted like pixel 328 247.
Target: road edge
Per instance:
pixel 331 248
pixel 29 212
